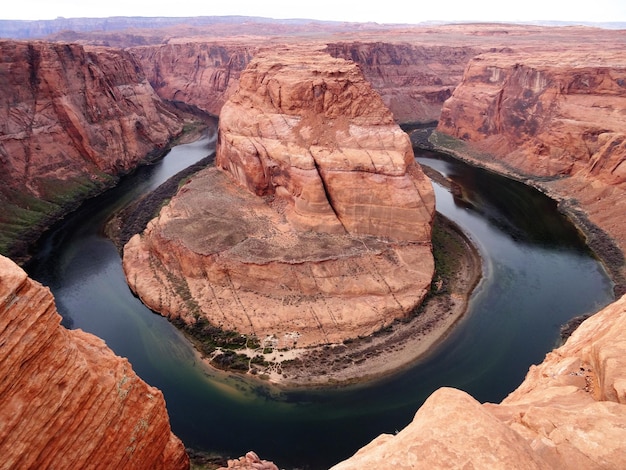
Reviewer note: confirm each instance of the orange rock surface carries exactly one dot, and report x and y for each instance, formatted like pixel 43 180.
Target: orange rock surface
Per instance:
pixel 67 400
pixel 318 230
pixel 570 412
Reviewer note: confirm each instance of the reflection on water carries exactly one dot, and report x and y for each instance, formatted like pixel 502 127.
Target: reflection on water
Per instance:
pixel 538 276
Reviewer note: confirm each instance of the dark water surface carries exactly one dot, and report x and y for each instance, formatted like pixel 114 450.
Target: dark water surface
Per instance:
pixel 538 275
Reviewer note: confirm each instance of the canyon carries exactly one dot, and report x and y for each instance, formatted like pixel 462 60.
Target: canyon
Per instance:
pixel 543 105
pixel 555 121
pixel 320 217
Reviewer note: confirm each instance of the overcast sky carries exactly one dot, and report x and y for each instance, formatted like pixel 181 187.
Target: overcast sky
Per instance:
pixel 381 11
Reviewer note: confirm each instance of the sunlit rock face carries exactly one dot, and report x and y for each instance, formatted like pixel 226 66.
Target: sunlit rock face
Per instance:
pixel 570 412
pixel 309 130
pixel 547 113
pixel 314 228
pixel 67 400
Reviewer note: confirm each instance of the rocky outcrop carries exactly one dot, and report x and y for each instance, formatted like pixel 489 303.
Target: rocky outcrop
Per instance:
pixel 67 400
pixel 570 412
pixel 251 461
pixel 557 121
pixel 316 228
pixel 70 119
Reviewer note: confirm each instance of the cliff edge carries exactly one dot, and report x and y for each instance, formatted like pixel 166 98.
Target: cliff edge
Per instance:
pixel 67 400
pixel 554 119
pixel 570 412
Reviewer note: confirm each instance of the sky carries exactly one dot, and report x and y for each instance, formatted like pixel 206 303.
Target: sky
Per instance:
pixel 381 11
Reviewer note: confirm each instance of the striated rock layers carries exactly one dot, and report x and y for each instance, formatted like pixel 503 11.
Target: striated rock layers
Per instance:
pixel 413 80
pixel 314 228
pixel 555 118
pixel 570 412
pixel 197 73
pixel 67 400
pixel 70 118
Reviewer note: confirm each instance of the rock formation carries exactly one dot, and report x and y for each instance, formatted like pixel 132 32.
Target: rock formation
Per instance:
pixel 570 412
pixel 315 229
pixel 198 73
pixel 67 400
pixel 555 119
pixel 70 118
pixel 413 80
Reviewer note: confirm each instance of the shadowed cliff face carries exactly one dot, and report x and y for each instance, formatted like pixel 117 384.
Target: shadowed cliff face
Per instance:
pixel 70 119
pixel 412 80
pixel 201 74
pixel 320 217
pixel 67 400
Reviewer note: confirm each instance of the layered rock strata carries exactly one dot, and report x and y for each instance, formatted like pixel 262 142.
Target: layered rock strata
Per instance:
pixel 67 400
pixel 314 228
pixel 555 119
pixel 71 117
pixel 413 80
pixel 570 412
pixel 203 74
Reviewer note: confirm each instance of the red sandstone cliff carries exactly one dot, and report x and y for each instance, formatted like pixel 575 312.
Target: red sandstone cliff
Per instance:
pixel 413 80
pixel 570 412
pixel 70 118
pixel 198 73
pixel 317 228
pixel 67 400
pixel 556 119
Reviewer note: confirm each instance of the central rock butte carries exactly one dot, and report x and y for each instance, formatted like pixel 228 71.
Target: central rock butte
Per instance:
pixel 315 225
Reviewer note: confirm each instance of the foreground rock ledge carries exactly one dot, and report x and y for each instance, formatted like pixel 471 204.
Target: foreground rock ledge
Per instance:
pixel 314 228
pixel 67 400
pixel 570 412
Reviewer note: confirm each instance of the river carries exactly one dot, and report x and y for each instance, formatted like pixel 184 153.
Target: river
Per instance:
pixel 538 274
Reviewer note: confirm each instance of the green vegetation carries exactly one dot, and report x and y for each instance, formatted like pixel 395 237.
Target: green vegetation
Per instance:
pixel 25 216
pixel 448 249
pixel 222 345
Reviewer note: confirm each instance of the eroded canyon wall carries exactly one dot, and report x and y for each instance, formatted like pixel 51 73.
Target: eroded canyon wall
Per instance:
pixel 413 80
pixel 71 118
pixel 198 73
pixel 570 412
pixel 67 400
pixel 554 119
